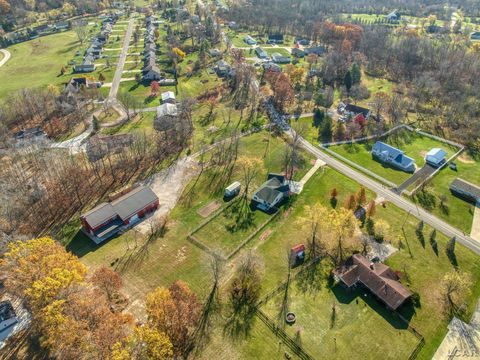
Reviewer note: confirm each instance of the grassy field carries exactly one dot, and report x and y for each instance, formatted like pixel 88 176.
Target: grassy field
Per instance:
pixel 273 50
pixel 37 63
pixel 222 235
pixel 315 303
pixel 455 211
pixel 187 87
pixel 362 328
pixel 414 145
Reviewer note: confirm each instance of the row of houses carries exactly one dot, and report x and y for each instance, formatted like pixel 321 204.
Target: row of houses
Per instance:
pixel 95 49
pixel 150 70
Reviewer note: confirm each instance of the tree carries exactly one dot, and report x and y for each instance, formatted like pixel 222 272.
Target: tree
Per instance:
pixel 108 282
pixel 128 103
pixel 450 251
pixel 40 271
pixel 318 116
pixel 348 81
pixel 101 77
pixel 154 88
pixel 380 103
pixel 4 7
pixel 80 28
pixel 343 227
pixel 244 290
pixel 95 124
pixel 145 343
pixel 371 208
pixel 181 54
pixel 455 288
pixel 340 131
pixel 350 203
pixel 356 74
pixel 314 218
pixel 361 197
pixel 326 131
pixel 176 312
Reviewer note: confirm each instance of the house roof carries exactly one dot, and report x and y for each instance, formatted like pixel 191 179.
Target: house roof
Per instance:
pixel 377 277
pixel 6 310
pixel 466 187
pixel 124 207
pixel 167 110
pixel 436 155
pixel 270 189
pixel 357 109
pixel 276 37
pixel 168 95
pixel 129 204
pixel 396 154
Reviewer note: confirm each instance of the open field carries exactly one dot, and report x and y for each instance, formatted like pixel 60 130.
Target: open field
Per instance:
pixel 279 50
pixel 414 145
pixel 37 63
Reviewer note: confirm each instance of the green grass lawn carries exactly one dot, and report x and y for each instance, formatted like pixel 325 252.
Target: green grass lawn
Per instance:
pixel 220 234
pixel 414 145
pixel 187 87
pixel 37 63
pixel 273 50
pixel 315 304
pixel 457 212
pixel 362 329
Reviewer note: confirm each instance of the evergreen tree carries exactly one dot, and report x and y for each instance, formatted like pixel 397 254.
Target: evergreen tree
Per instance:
pixel 326 132
pixel 348 80
pixel 318 117
pixel 356 74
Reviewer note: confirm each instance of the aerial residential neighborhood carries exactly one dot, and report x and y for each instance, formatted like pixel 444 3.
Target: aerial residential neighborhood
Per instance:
pixel 219 179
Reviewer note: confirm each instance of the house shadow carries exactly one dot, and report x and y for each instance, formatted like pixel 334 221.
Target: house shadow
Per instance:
pixel 81 245
pixel 399 319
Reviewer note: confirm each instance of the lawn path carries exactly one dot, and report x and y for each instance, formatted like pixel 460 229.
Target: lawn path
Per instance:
pixel 6 54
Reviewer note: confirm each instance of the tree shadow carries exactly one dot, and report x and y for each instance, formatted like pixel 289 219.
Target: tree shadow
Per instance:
pixel 310 279
pixel 239 325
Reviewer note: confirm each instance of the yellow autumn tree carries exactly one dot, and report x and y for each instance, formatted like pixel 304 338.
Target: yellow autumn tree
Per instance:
pixel 40 270
pixel 314 216
pixel 343 230
pixel 455 288
pixel 145 343
pixel 180 53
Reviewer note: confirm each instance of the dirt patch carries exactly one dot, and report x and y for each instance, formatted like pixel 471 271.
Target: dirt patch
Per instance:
pixel 168 185
pixel 208 209
pixel 466 159
pixel 265 234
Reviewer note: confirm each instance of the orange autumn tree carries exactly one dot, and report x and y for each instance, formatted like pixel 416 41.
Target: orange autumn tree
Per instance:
pixel 176 312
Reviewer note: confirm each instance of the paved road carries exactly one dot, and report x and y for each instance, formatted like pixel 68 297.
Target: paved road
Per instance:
pixel 6 56
pixel 394 198
pixel 121 61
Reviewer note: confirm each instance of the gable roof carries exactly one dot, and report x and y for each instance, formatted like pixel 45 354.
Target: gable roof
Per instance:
pixel 270 189
pixel 168 95
pixel 395 154
pixel 436 154
pixel 377 277
pixel 167 110
pixel 357 109
pixel 466 187
pixel 124 207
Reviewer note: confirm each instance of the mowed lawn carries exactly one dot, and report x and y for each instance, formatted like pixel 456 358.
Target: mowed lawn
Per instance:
pixel 415 146
pixel 37 63
pixel 312 299
pixel 362 328
pixel 220 233
pixel 455 211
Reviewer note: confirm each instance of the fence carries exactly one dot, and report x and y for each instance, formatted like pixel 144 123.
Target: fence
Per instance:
pixel 252 235
pixel 287 340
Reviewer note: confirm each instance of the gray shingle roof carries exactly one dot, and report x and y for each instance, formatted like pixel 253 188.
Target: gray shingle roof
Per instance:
pixel 124 207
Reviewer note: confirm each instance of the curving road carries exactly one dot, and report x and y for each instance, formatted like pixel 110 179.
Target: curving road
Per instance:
pixel 6 56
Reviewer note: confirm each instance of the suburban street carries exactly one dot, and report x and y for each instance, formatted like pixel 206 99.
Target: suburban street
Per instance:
pixel 121 61
pixel 392 197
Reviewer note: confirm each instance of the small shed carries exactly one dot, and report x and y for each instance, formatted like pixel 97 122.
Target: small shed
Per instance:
pixel 232 189
pixel 297 255
pixel 436 157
